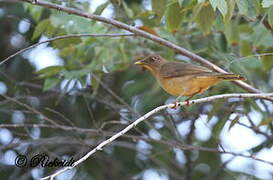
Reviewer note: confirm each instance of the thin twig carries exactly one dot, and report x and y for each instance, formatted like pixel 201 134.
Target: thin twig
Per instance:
pixel 147 115
pixel 112 93
pixel 29 108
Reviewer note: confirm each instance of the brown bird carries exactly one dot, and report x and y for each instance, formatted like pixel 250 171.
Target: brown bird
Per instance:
pixel 183 79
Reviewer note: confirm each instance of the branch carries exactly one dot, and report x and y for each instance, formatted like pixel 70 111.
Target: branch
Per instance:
pixel 256 130
pixel 171 144
pixel 64 37
pixel 144 34
pixel 29 108
pixel 147 115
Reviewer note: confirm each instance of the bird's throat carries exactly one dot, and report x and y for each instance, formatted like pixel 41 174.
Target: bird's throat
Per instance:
pixel 152 70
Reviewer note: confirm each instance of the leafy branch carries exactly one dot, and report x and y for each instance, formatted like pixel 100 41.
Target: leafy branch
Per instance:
pixel 64 37
pixel 144 34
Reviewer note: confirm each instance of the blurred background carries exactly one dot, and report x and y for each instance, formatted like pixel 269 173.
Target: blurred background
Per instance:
pixel 66 96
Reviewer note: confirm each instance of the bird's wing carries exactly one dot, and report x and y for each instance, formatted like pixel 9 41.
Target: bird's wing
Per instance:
pixel 177 69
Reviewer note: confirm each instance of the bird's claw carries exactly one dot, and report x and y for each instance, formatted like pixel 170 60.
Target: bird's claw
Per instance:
pixel 176 105
pixel 187 102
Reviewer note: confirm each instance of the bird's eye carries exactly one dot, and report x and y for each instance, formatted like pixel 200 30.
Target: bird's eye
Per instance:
pixel 153 59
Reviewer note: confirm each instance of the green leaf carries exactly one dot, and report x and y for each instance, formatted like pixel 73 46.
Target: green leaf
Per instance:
pixel 49 71
pixel 174 17
pixel 221 5
pixel 221 42
pixel 233 122
pixel 232 33
pixel 229 14
pixel 62 43
pixel 146 18
pixel 245 48
pixel 128 11
pixel 124 58
pixel 35 11
pixel 260 147
pixel 270 16
pixel 167 35
pixel 254 9
pixel 261 37
pixel 245 29
pixel 101 8
pixel 248 67
pixel 50 83
pixel 215 109
pixel 219 24
pixel 95 83
pixel 220 125
pixel 40 28
pixel 267 3
pixel 180 2
pixel 74 24
pixel 75 74
pixel 266 121
pixel 68 51
pixel 214 4
pixel 159 7
pixel 267 62
pixel 205 17
pixel 242 6
pixel 201 1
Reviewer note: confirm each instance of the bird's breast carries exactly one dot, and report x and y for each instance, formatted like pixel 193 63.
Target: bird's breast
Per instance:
pixel 176 86
pixel 187 85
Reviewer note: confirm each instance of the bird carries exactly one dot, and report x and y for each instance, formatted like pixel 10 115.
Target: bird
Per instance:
pixel 183 79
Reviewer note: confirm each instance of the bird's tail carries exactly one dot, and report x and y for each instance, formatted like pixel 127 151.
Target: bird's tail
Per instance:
pixel 230 77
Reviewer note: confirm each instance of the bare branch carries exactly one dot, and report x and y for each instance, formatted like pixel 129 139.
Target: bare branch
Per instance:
pixel 147 115
pixel 144 34
pixel 29 108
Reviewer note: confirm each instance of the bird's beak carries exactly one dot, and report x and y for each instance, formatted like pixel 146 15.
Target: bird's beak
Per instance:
pixel 139 62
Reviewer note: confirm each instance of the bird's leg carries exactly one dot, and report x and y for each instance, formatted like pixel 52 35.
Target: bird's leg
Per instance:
pixel 187 100
pixel 176 102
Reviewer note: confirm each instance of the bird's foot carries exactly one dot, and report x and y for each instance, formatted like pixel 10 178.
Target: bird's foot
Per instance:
pixel 187 102
pixel 176 104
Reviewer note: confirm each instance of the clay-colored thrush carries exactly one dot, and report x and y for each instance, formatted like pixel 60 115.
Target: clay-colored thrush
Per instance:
pixel 183 79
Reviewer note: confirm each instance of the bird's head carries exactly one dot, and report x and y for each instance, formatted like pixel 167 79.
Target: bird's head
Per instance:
pixel 152 63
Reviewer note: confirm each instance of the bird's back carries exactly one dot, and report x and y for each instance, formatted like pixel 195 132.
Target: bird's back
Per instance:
pixel 178 69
